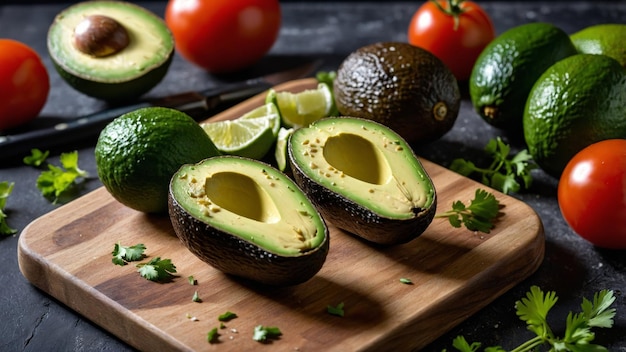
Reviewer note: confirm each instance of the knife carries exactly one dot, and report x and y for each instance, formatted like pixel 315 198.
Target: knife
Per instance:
pixel 198 105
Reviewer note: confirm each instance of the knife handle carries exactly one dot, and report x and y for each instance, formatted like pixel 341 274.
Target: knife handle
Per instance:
pixel 19 145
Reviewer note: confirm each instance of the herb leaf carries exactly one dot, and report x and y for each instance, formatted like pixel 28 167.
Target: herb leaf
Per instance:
pixel 157 269
pixel 36 157
pixel 5 190
pixel 124 254
pixel 262 333
pixel 477 216
pixel 338 310
pixel 227 316
pixel 505 173
pixel 212 335
pixel 56 180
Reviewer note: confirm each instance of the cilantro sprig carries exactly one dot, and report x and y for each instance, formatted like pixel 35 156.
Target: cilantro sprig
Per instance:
pixel 505 173
pixel 262 333
pixel 479 215
pixel 57 179
pixel 534 308
pixel 5 190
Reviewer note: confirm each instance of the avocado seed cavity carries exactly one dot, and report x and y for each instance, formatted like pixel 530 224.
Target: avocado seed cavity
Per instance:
pixel 100 36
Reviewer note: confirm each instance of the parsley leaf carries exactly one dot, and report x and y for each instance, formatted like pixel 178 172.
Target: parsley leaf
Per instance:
pixel 506 174
pixel 157 269
pixel 5 190
pixel 477 216
pixel 534 308
pixel 338 310
pixel 262 333
pixel 36 157
pixel 124 254
pixel 56 180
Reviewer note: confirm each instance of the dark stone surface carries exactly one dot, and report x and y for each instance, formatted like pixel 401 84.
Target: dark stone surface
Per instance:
pixel 31 320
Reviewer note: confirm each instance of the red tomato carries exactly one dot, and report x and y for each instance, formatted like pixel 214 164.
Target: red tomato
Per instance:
pixel 24 84
pixel 455 33
pixel 592 193
pixel 223 35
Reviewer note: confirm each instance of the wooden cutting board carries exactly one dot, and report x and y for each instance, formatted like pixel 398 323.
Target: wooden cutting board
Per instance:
pixel 454 273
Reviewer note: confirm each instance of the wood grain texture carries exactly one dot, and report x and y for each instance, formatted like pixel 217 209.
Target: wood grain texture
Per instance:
pixel 455 272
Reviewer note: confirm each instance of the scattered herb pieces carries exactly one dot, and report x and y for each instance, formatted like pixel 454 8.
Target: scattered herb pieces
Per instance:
pixel 124 254
pixel 227 316
pixel 57 180
pixel 213 335
pixel 262 333
pixel 157 269
pixel 191 280
pixel 406 281
pixel 196 297
pixel 337 310
pixel 478 216
pixel 222 326
pixel 36 157
pixel 534 308
pixel 506 174
pixel 5 191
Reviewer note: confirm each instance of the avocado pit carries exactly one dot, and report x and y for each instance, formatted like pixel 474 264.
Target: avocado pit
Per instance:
pixel 100 36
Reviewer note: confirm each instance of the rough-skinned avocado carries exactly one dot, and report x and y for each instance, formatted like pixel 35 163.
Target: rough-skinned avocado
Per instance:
pixel 364 178
pixel 110 50
pixel 508 67
pixel 247 219
pixel 404 87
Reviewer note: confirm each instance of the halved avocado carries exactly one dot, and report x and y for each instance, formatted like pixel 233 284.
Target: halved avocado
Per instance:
pixel 247 219
pixel 364 178
pixel 110 50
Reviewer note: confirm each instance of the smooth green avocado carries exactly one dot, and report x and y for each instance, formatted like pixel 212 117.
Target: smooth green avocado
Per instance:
pixel 110 50
pixel 364 178
pixel 402 86
pixel 605 39
pixel 507 68
pixel 578 101
pixel 248 219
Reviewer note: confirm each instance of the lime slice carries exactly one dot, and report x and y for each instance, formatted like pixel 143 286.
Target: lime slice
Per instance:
pixel 302 108
pixel 269 111
pixel 280 153
pixel 252 135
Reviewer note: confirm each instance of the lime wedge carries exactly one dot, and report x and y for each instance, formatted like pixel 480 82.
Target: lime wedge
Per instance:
pixel 251 135
pixel 302 108
pixel 280 153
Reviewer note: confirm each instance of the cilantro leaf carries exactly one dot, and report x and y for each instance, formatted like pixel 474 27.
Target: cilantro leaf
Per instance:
pixel 191 280
pixel 262 333
pixel 5 190
pixel 196 297
pixel 212 335
pixel 477 216
pixel 124 254
pixel 534 308
pixel 157 269
pixel 36 157
pixel 406 281
pixel 338 310
pixel 57 180
pixel 505 173
pixel 227 316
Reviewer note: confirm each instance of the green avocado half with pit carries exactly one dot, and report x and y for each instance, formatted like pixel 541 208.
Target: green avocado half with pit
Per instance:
pixel 247 219
pixel 110 50
pixel 364 178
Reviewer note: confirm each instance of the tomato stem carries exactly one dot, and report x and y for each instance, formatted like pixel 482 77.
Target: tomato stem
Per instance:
pixel 452 8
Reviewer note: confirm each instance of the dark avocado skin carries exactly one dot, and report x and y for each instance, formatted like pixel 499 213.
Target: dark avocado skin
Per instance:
pixel 232 255
pixel 358 220
pixel 399 88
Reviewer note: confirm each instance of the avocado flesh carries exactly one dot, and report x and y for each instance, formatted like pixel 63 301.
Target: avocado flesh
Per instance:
pixel 248 219
pixel 364 178
pixel 142 64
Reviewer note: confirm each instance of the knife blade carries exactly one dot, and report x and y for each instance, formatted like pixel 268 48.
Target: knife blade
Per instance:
pixel 198 105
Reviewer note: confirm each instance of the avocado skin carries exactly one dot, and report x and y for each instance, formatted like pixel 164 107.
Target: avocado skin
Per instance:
pixel 358 220
pixel 508 67
pixel 398 85
pixel 116 92
pixel 234 256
